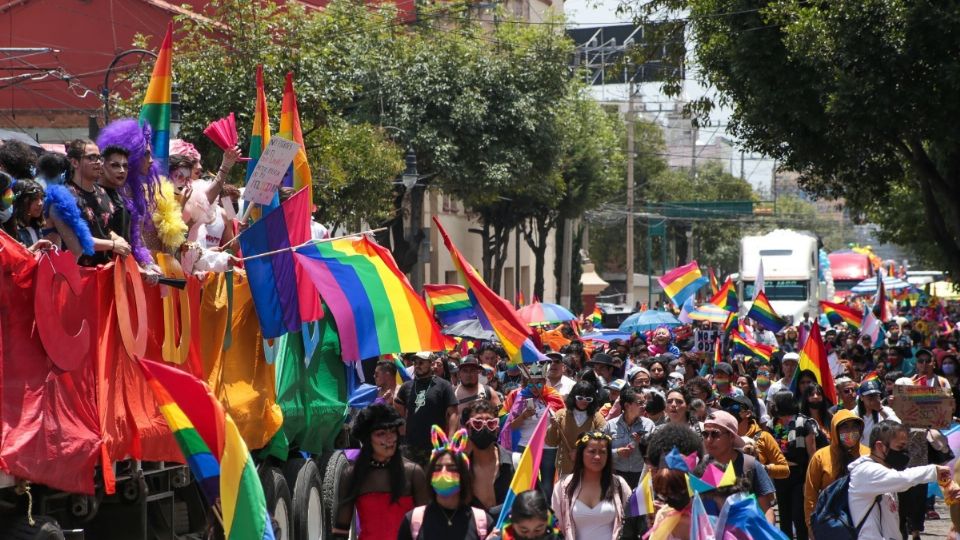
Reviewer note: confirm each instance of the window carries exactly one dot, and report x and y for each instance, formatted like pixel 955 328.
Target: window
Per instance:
pixel 780 290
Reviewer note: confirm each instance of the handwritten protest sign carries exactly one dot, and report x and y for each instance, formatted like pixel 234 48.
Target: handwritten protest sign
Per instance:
pixel 922 406
pixel 705 340
pixel 271 167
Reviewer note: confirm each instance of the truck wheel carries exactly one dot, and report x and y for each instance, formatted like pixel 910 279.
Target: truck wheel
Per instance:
pixel 331 488
pixel 277 494
pixel 308 515
pixel 45 528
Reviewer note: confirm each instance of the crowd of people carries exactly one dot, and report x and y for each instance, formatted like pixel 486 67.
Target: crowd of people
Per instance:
pixel 617 411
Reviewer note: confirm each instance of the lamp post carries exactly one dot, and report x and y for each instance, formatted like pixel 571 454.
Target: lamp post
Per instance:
pixel 410 179
pixel 105 91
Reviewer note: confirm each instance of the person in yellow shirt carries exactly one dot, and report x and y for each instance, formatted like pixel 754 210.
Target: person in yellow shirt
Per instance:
pixel 765 447
pixel 829 462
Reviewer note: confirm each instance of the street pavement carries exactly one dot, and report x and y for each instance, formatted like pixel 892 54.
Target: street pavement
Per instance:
pixel 940 527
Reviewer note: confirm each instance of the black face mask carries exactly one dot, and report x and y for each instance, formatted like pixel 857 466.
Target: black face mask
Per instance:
pixel 897 459
pixel 483 438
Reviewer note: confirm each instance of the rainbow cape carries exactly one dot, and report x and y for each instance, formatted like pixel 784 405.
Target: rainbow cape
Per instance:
pixel 682 282
pixel 762 312
pixel 156 103
pixel 214 450
pixel 525 476
pixel 449 303
pixel 259 135
pixel 813 356
pixel 495 313
pixel 726 297
pixel 746 345
pixel 838 313
pixel 376 310
pixel 298 177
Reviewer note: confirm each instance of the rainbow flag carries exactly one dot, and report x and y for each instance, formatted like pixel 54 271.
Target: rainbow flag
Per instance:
pixel 838 313
pixel 872 376
pixel 495 313
pixel 682 282
pixel 214 450
pixel 298 176
pixel 813 356
pixel 726 296
pixel 259 135
pixel 732 322
pixel 528 468
pixel 745 345
pixel 714 287
pixel 283 298
pixel 762 312
pixel 596 318
pixel 520 300
pixel 376 310
pixel 449 303
pixel 156 103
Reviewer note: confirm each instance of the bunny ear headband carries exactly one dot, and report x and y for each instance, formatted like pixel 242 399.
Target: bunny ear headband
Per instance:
pixel 456 445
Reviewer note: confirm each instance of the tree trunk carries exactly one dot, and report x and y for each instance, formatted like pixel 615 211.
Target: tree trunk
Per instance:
pixel 501 241
pixel 536 237
pixel 487 256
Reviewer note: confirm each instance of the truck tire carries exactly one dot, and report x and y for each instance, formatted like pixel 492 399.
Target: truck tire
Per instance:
pixel 277 495
pixel 45 528
pixel 308 507
pixel 331 487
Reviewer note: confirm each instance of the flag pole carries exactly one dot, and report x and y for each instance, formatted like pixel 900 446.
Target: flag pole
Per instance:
pixel 307 243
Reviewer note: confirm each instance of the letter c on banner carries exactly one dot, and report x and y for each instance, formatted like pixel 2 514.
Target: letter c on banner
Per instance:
pixel 65 350
pixel 134 343
pixel 175 351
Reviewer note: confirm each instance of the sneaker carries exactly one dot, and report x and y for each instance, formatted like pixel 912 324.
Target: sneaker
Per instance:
pixel 932 514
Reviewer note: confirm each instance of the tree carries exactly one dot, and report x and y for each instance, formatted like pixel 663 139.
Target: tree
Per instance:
pixel 858 96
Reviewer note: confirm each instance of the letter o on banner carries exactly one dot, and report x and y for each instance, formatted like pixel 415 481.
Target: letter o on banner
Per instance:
pixel 65 350
pixel 135 343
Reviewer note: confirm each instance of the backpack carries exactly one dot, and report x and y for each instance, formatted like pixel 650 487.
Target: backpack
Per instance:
pixel 416 521
pixel 831 516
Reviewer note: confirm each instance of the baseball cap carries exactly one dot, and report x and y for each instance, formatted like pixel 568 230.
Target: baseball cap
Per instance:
pixel 741 401
pixel 791 356
pixel 870 387
pixel 725 421
pixel 470 360
pixel 616 384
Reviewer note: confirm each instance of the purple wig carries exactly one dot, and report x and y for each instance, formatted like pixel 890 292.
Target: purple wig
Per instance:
pixel 139 189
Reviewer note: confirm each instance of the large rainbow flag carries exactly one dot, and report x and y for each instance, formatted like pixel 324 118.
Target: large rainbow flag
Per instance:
pixel 682 282
pixel 726 296
pixel 283 297
pixel 762 312
pixel 299 176
pixel 214 449
pixel 495 313
pixel 156 103
pixel 748 346
pixel 525 476
pixel 260 134
pixel 449 303
pixel 813 356
pixel 838 313
pixel 376 310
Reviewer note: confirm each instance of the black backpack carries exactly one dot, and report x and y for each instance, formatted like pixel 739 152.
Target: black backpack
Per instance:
pixel 831 516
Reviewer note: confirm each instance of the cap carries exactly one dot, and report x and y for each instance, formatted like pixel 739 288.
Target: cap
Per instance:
pixel 724 368
pixel 791 356
pixel 602 359
pixel 616 384
pixel 470 360
pixel 842 380
pixel 423 355
pixel 453 367
pixel 923 351
pixel 870 387
pixel 554 356
pixel 725 421
pixel 728 401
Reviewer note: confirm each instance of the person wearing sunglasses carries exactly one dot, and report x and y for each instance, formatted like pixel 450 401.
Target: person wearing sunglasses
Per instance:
pixel 925 371
pixel 582 413
pixel 491 465
pixel 470 389
pixel 626 431
pixel 847 393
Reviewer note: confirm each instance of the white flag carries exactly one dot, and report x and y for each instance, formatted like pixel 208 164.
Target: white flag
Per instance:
pixel 758 284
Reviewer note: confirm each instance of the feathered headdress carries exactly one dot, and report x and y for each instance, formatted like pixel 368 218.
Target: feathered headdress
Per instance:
pixel 455 445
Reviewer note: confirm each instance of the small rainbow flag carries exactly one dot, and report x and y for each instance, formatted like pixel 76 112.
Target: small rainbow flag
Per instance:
pixel 732 322
pixel 596 317
pixel 260 134
pixel 682 282
pixel 762 312
pixel 495 313
pixel 813 356
pixel 156 103
pixel 726 296
pixel 525 476
pixel 298 176
pixel 214 450
pixel 748 346
pixel 449 303
pixel 837 313
pixel 714 287
pixel 376 310
pixel 872 376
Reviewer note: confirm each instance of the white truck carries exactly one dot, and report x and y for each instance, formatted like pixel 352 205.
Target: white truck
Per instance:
pixel 790 272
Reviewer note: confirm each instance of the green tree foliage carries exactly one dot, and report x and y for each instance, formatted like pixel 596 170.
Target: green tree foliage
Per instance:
pixel 859 96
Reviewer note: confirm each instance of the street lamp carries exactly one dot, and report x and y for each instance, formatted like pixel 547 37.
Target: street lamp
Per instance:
pixel 105 91
pixel 410 174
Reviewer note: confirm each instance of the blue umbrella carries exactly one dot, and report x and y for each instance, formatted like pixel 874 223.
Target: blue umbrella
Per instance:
pixel 869 285
pixel 648 320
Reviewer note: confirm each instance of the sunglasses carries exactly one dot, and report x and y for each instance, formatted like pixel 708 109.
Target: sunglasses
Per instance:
pixel 712 434
pixel 585 399
pixel 537 385
pixel 96 158
pixel 477 424
pixel 924 360
pixel 849 390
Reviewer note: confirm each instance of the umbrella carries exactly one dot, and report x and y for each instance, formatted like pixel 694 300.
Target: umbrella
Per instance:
pixel 469 329
pixel 606 336
pixel 709 312
pixel 869 285
pixel 539 313
pixel 7 135
pixel 648 320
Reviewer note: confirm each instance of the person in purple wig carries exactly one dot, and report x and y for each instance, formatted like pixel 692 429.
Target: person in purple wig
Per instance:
pixel 142 179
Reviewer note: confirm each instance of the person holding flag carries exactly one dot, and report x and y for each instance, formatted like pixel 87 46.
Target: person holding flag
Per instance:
pixel 530 519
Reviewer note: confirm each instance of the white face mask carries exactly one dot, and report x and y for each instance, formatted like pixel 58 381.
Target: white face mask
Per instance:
pixel 6 214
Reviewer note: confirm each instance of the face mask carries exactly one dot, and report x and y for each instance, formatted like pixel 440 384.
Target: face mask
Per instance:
pixel 897 459
pixel 851 439
pixel 763 382
pixel 5 214
pixel 483 438
pixel 949 369
pixel 445 483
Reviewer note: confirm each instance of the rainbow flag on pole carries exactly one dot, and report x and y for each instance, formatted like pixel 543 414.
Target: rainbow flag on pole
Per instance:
pixel 762 312
pixel 495 313
pixel 214 450
pixel 156 103
pixel 838 313
pixel 525 476
pixel 714 287
pixel 813 356
pixel 299 176
pixel 260 134
pixel 748 346
pixel 732 322
pixel 726 296
pixel 449 303
pixel 682 282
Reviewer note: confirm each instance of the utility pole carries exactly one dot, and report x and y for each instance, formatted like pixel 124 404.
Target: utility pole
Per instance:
pixel 628 278
pixel 693 149
pixel 743 172
pixel 566 264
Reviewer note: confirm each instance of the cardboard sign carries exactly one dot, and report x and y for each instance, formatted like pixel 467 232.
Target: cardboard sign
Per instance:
pixel 705 340
pixel 273 164
pixel 922 406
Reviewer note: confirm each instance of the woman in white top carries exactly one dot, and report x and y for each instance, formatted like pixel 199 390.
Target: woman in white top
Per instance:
pixel 590 502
